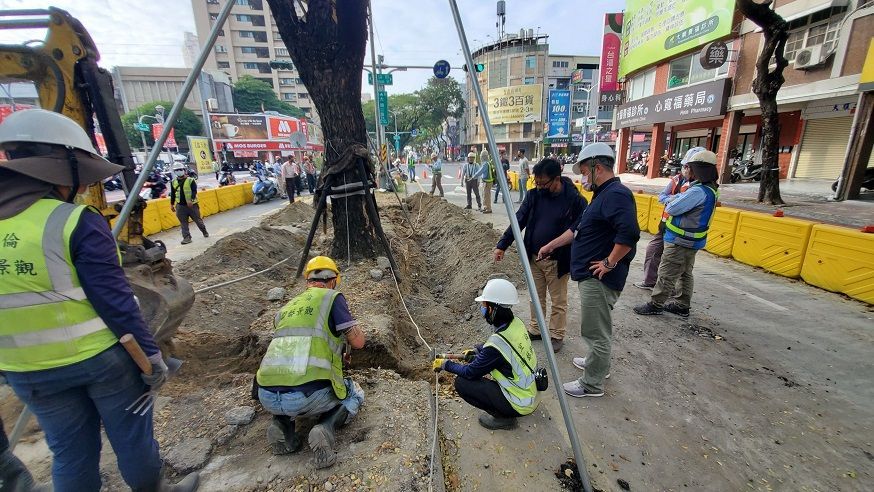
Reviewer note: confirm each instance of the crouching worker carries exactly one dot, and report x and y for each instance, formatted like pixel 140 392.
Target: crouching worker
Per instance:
pixel 507 356
pixel 301 374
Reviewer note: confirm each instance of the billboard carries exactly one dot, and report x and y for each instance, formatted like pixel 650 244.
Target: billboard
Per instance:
pixel 199 147
pixel 515 104
pixel 282 127
pixel 558 121
pixel 654 30
pixel 611 43
pixel 238 126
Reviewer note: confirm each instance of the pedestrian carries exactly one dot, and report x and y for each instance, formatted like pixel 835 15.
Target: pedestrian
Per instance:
pixel 689 215
pixel 215 168
pixel 678 184
pixel 411 165
pixel 507 356
pixel 524 171
pixel 487 174
pixel 436 174
pixel 302 372
pixel 602 247
pixel 505 166
pixel 65 305
pixel 310 170
pixel 470 175
pixel 287 175
pixel 183 201
pixel 554 207
pixel 280 183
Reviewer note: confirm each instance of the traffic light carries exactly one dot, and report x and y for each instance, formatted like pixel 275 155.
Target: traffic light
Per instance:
pixel 281 64
pixel 479 67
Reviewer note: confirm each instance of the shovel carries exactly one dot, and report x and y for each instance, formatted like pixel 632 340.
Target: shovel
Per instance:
pixel 144 403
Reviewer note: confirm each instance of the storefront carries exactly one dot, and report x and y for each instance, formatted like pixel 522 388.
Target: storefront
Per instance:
pixel 247 137
pixel 825 138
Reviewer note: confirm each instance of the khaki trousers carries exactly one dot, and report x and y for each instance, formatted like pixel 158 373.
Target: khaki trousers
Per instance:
pixel 675 276
pixel 487 196
pixel 546 280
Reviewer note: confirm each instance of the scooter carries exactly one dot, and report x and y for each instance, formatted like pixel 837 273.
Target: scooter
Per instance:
pixel 867 180
pixel 264 189
pixel 112 184
pixel 227 178
pixel 671 167
pixel 745 171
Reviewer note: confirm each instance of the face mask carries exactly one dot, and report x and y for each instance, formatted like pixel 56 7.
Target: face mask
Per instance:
pixel 485 311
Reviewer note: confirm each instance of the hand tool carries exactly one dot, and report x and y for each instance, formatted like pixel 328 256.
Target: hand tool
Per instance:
pixel 144 403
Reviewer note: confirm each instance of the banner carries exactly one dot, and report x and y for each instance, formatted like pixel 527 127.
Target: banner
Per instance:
pixel 238 126
pixel 706 100
pixel 199 147
pixel 611 44
pixel 170 143
pixel 282 127
pixel 559 118
pixel 515 104
pixel 654 30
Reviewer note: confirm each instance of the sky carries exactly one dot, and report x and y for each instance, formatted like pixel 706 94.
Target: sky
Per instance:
pixel 408 32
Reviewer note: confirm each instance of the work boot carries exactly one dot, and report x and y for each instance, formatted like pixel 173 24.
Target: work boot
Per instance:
pixel 281 435
pixel 494 423
pixel 14 475
pixel 677 308
pixel 322 436
pixel 187 484
pixel 648 309
pixel 186 240
pixel 557 344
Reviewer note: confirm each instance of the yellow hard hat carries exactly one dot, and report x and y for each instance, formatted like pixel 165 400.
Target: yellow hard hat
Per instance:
pixel 321 268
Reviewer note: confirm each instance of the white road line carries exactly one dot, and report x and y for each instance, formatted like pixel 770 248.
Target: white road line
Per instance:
pixel 756 298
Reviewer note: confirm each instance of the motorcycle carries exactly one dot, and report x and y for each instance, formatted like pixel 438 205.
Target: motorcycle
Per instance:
pixel 640 165
pixel 227 178
pixel 867 180
pixel 112 183
pixel 745 171
pixel 264 189
pixel 154 187
pixel 671 167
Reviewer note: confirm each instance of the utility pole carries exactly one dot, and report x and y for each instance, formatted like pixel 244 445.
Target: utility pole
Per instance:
pixel 379 135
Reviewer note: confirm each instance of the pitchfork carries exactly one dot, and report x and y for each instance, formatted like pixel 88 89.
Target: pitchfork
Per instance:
pixel 144 403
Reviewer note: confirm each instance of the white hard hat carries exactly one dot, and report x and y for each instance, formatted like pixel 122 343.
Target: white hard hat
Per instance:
pixel 178 167
pixel 499 291
pixel 690 153
pixel 591 151
pixel 700 154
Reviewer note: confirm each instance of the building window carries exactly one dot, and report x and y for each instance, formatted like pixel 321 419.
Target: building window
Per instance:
pixel 526 129
pixel 498 73
pixel 640 86
pixel 223 64
pixel 303 95
pixel 246 34
pixel 244 18
pixel 250 66
pixel 213 17
pixel 266 81
pixel 530 62
pixel 819 28
pixel 220 49
pixel 277 37
pixel 244 3
pixel 688 70
pixel 560 64
pixel 288 96
pixel 249 50
pixel 530 80
pixel 286 81
pixel 281 52
pixel 297 81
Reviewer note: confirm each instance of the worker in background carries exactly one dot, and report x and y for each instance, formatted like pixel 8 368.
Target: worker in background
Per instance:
pixel 554 207
pixel 524 172
pixel 686 229
pixel 310 169
pixel 602 247
pixel 487 174
pixel 288 174
pixel 215 168
pixel 64 302
pixel 678 184
pixel 505 167
pixel 411 165
pixel 183 201
pixel 470 175
pixel 436 174
pixel 507 356
pixel 301 375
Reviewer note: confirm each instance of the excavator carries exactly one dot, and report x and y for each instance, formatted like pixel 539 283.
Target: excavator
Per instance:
pixel 63 68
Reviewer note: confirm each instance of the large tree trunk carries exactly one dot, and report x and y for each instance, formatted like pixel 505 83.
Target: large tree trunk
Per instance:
pixel 326 40
pixel 765 86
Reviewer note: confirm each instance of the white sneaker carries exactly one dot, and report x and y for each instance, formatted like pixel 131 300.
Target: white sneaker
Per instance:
pixel 580 363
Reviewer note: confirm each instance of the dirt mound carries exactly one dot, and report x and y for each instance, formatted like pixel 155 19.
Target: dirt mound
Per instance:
pixel 296 213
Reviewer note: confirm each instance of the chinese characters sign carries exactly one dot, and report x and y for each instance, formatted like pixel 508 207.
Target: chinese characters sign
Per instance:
pixel 515 104
pixel 18 267
pixel 559 120
pixel 654 30
pixel 610 46
pixel 697 101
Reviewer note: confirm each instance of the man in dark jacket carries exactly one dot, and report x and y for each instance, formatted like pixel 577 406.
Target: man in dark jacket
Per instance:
pixel 553 208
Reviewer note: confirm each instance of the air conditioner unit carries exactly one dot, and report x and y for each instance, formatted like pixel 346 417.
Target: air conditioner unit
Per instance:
pixel 212 104
pixel 808 58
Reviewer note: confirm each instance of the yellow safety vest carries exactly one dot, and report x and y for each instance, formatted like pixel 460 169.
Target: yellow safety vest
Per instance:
pixel 520 390
pixel 303 348
pixel 47 321
pixel 186 190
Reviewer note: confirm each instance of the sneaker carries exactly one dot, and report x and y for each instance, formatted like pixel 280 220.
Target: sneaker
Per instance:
pixel 487 211
pixel 467 207
pixel 575 389
pixel 556 345
pixel 580 363
pixel 535 336
pixel 205 234
pixel 186 240
pixel 677 308
pixel 641 285
pixel 648 309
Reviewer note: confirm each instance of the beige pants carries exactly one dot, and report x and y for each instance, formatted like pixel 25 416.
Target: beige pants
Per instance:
pixel 487 196
pixel 546 279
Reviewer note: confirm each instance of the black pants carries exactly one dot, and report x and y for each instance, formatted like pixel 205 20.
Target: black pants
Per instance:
pixel 289 188
pixel 4 441
pixel 485 394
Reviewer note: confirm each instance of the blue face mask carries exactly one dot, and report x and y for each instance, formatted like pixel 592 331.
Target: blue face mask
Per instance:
pixel 484 310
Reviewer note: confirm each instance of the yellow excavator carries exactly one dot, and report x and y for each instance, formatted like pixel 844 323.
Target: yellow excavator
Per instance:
pixel 63 68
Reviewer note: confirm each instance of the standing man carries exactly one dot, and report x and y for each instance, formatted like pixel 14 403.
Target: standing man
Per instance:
pixel 686 229
pixel 215 168
pixel 436 174
pixel 310 169
pixel 288 176
pixel 302 372
pixel 183 201
pixel 678 184
pixel 64 302
pixel 505 165
pixel 280 183
pixel 411 165
pixel 470 175
pixel 554 208
pixel 601 253
pixel 487 173
pixel 524 171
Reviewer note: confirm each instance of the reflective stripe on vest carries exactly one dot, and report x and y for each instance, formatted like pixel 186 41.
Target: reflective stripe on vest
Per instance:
pixel 520 390
pixel 303 348
pixel 677 188
pixel 700 216
pixel 186 190
pixel 47 320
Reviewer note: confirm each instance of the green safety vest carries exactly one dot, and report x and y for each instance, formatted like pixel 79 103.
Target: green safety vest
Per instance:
pixel 48 321
pixel 490 172
pixel 186 190
pixel 520 390
pixel 303 348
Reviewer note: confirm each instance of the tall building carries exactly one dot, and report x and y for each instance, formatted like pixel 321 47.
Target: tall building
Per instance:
pixel 135 86
pixel 246 45
pixel 190 49
pixel 579 75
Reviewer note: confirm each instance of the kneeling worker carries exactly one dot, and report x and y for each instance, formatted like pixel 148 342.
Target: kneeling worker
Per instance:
pixel 507 356
pixel 301 374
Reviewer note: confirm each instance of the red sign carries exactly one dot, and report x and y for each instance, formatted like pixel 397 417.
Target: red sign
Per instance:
pixel 262 145
pixel 7 109
pixel 157 128
pixel 101 143
pixel 282 127
pixel 610 47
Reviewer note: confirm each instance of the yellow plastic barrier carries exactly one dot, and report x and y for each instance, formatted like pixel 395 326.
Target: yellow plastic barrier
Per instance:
pixel 840 260
pixel 248 196
pixel 643 203
pixel 208 202
pixel 655 215
pixel 229 197
pixel 151 219
pixel 776 244
pixel 530 183
pixel 167 216
pixel 720 238
pixel 588 195
pixel 513 179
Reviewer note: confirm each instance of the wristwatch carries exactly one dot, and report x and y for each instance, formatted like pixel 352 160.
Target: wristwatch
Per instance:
pixel 607 265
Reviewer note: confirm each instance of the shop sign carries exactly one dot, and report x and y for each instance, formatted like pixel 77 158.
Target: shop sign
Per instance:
pixel 866 78
pixel 282 127
pixel 609 98
pixel 577 137
pixel 515 104
pixel 238 126
pixel 262 146
pixel 830 108
pixel 559 119
pixel 698 101
pixel 714 55
pixel 611 44
pixel 199 147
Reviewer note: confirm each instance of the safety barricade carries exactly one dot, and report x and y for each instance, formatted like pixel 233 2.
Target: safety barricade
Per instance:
pixel 530 183
pixel 777 244
pixel 229 197
pixel 248 195
pixel 655 215
pixel 840 260
pixel 167 216
pixel 642 202
pixel 208 202
pixel 720 237
pixel 151 219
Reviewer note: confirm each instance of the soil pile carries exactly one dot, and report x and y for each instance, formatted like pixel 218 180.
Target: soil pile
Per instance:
pixel 297 214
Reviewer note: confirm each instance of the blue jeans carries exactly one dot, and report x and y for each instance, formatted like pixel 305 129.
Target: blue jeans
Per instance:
pixel 71 402
pixel 296 404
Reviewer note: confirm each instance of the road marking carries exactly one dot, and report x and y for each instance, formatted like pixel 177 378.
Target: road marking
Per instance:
pixel 756 298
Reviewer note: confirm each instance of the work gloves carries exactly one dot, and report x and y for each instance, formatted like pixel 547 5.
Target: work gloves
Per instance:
pixel 439 365
pixel 470 355
pixel 159 372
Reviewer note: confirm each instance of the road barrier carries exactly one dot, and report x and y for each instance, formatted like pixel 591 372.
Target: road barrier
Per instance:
pixel 158 217
pixel 840 260
pixel 720 237
pixel 655 215
pixel 776 244
pixel 642 202
pixel 208 202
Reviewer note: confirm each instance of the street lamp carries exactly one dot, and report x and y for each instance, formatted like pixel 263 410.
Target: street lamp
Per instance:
pixel 397 136
pixel 588 105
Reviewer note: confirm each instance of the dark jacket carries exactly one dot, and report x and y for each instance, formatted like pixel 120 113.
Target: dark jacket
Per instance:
pixel 544 218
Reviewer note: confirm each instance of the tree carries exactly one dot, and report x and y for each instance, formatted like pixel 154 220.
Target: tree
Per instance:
pixel 403 108
pixel 186 124
pixel 253 96
pixel 326 40
pixel 765 86
pixel 440 100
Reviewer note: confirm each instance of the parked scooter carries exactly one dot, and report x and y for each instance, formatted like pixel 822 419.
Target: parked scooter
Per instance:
pixel 264 189
pixel 671 167
pixel 227 178
pixel 867 180
pixel 641 166
pixel 745 171
pixel 112 183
